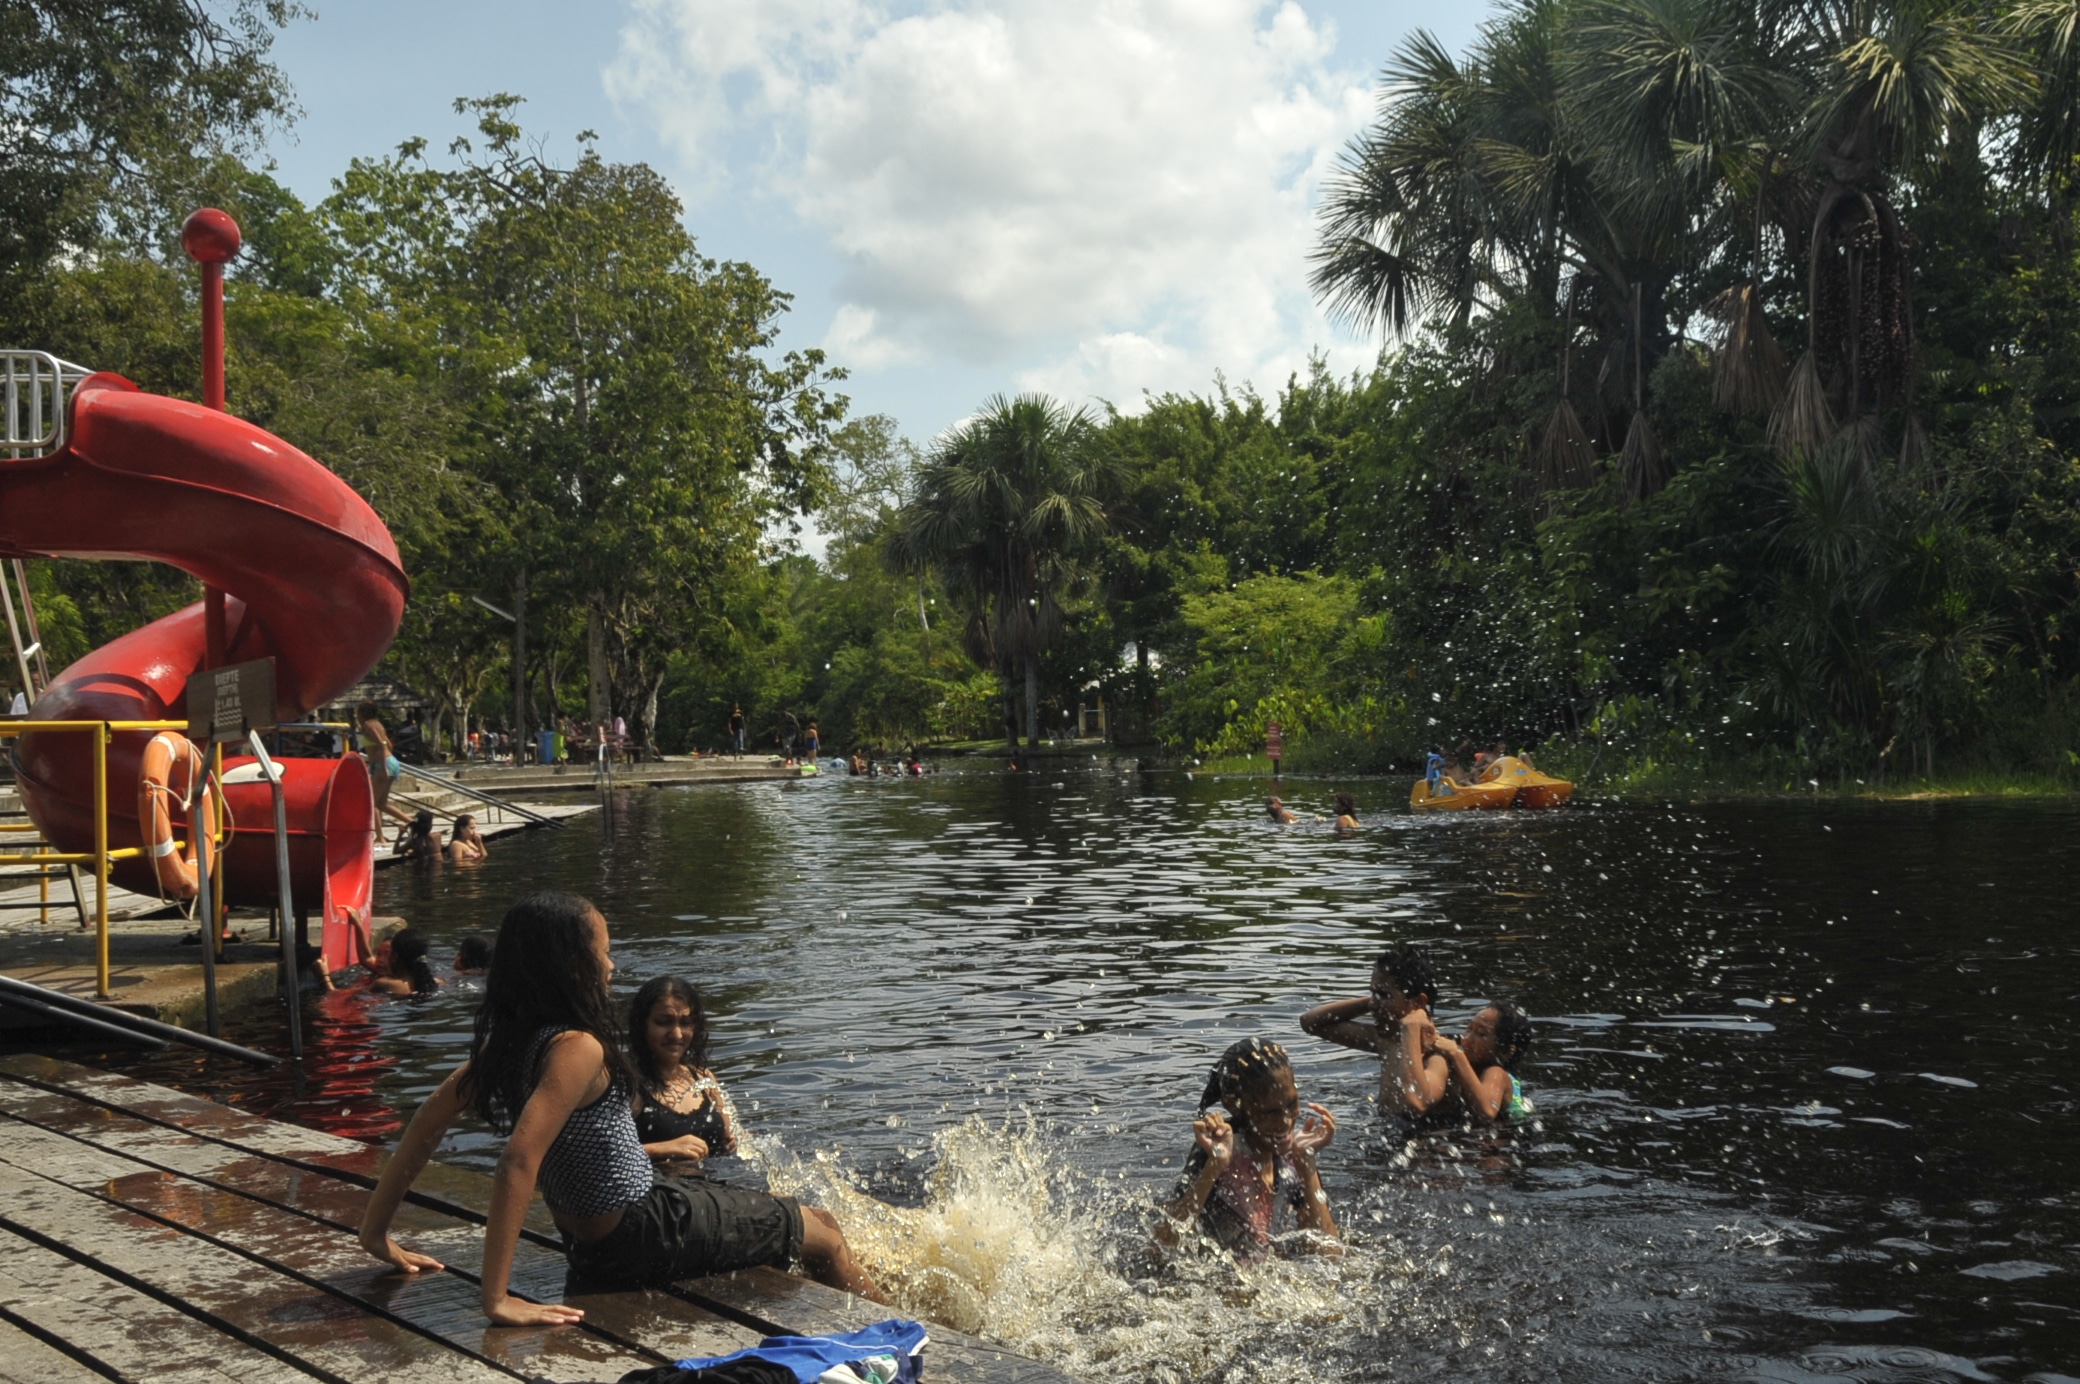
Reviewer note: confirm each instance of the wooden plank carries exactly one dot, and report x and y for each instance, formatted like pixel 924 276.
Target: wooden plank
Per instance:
pixel 329 1207
pixel 763 1299
pixel 446 1188
pixel 320 1331
pixel 25 1359
pixel 129 1335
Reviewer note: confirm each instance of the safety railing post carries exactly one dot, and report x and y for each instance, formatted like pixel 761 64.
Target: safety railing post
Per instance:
pixel 292 978
pixel 208 915
pixel 101 978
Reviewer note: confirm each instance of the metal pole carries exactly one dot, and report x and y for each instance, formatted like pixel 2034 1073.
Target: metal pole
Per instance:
pixel 205 907
pixel 216 776
pixel 67 1016
pixel 43 667
pixel 292 977
pixel 100 739
pixel 123 1018
pixel 21 654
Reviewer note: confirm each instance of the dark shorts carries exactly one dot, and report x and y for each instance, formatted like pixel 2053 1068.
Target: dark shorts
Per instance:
pixel 684 1228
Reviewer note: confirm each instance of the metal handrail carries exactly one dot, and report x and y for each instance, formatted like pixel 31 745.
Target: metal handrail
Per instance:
pixel 468 792
pixel 35 386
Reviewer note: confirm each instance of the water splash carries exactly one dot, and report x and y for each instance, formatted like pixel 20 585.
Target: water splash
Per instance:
pixel 1014 1245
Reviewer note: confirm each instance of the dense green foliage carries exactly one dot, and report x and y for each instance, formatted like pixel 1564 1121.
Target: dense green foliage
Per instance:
pixel 1583 501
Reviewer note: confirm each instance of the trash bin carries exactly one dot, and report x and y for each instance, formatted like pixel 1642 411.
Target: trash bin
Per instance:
pixel 545 747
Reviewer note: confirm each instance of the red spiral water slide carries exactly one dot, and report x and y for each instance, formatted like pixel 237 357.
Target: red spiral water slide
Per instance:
pixel 310 576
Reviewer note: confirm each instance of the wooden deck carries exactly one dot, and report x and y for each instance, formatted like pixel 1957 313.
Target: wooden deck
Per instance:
pixel 148 1235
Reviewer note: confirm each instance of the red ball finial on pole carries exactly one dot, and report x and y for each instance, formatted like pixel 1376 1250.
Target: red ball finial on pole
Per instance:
pixel 211 237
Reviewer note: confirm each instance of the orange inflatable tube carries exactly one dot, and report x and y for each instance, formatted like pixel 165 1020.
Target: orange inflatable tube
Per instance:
pixel 170 758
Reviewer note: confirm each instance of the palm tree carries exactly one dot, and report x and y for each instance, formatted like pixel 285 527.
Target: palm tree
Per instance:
pixel 1005 509
pixel 1897 90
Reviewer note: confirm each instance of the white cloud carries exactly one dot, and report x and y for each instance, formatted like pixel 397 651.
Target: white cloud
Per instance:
pixel 1100 196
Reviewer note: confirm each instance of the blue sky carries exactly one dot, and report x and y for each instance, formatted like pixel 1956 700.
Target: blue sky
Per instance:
pixel 1095 198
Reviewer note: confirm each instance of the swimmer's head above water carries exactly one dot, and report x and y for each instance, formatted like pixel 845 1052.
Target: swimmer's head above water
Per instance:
pixel 1499 1036
pixel 1402 981
pixel 1254 1082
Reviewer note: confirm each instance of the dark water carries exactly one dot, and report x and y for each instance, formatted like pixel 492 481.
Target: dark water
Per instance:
pixel 1804 1074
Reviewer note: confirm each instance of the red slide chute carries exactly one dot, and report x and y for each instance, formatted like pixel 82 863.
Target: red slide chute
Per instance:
pixel 311 577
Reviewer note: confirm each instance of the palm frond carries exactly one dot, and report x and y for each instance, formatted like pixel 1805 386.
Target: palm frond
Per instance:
pixel 1748 370
pixel 1564 458
pixel 1802 424
pixel 1642 465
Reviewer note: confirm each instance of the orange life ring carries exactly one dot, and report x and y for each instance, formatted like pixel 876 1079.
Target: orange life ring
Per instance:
pixel 169 758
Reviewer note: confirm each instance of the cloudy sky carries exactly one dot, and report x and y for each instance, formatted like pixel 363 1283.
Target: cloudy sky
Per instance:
pixel 1096 198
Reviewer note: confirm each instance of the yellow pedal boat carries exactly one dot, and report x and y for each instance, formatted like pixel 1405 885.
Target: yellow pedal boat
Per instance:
pixel 1534 789
pixel 1473 797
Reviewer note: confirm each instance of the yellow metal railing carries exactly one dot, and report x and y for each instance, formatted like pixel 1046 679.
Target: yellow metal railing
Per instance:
pixel 99 733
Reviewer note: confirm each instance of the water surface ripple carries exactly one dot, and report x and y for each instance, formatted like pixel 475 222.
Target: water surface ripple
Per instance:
pixel 1804 1072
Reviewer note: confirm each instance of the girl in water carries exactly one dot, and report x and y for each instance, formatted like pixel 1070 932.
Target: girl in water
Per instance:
pixel 465 842
pixel 400 967
pixel 1483 1063
pixel 420 842
pixel 685 1114
pixel 547 1069
pixel 1253 1158
pixel 1346 812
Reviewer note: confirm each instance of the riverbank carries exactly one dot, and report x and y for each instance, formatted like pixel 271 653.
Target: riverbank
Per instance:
pixel 1656 781
pixel 674 771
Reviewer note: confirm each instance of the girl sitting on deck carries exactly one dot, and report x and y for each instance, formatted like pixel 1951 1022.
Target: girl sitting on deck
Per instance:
pixel 685 1114
pixel 1254 1162
pixel 547 1069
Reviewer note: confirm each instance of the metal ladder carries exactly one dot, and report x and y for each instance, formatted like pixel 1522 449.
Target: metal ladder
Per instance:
pixel 35 389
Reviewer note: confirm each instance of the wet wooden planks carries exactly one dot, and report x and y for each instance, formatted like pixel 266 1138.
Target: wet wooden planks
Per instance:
pixel 209 1225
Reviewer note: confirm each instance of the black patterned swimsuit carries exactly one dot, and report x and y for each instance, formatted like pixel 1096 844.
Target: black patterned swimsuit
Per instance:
pixel 658 1123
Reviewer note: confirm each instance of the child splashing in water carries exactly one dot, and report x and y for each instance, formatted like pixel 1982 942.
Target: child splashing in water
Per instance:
pixel 1253 1157
pixel 1483 1063
pixel 547 1068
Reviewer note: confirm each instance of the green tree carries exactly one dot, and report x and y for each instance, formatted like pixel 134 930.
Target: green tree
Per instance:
pixel 108 109
pixel 1006 510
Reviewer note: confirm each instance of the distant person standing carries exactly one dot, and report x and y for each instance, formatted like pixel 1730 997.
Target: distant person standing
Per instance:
pixel 381 758
pixel 736 728
pixel 788 731
pixel 815 741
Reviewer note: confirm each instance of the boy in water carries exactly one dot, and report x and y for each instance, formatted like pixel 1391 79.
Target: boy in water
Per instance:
pixel 1394 1021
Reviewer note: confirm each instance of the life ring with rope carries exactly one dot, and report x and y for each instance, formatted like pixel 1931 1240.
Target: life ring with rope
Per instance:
pixel 172 758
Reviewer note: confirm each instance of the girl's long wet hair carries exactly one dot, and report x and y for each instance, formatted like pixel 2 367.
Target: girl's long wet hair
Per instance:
pixel 654 993
pixel 544 975
pixel 1512 1034
pixel 408 955
pixel 1243 1065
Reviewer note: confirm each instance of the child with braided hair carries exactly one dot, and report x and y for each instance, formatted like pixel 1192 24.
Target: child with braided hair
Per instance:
pixel 1253 1159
